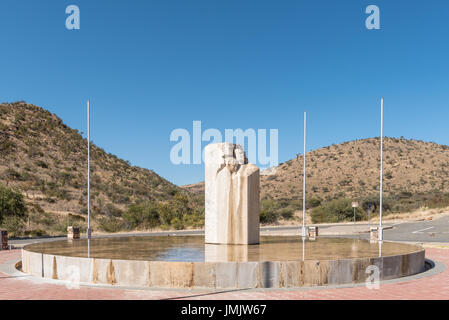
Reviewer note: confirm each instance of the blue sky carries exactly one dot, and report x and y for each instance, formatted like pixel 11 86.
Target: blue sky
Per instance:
pixel 153 66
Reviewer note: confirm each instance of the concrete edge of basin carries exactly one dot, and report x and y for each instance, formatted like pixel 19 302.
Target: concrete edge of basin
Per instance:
pixel 220 275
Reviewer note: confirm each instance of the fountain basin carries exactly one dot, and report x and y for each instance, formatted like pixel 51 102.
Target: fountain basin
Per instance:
pixel 187 262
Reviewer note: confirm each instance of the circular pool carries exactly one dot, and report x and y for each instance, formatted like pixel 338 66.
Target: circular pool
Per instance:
pixel 186 261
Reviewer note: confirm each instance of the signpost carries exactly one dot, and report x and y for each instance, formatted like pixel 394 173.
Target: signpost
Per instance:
pixel 355 204
pixel 369 214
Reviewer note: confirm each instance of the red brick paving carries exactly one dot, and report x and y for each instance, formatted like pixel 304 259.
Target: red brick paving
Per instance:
pixel 433 287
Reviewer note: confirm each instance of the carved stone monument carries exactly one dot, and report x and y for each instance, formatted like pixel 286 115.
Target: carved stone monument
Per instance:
pixel 232 190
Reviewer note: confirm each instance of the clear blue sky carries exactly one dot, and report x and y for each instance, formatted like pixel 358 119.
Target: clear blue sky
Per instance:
pixel 152 66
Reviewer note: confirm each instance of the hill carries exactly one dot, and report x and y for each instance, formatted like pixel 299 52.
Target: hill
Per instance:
pixel 46 161
pixel 416 174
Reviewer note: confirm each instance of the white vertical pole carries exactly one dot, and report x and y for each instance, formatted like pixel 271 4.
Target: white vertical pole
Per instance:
pixel 304 183
pixel 354 215
pixel 380 232
pixel 88 170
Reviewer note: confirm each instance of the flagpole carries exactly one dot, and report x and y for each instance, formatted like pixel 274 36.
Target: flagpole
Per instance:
pixel 380 232
pixel 304 184
pixel 88 170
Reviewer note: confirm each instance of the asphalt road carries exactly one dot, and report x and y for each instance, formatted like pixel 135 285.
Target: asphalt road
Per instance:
pixel 417 231
pixel 420 231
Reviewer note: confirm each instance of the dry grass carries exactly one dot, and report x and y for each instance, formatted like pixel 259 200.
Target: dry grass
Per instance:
pixel 47 162
pixel 351 170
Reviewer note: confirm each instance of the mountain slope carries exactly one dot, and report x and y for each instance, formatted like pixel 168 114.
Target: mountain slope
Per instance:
pixel 47 161
pixel 351 170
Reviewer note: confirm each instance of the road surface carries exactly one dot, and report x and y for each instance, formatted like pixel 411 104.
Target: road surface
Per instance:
pixel 416 231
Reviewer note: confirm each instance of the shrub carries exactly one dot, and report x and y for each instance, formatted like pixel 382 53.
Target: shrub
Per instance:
pixel 336 211
pixel 268 209
pixel 165 213
pixel 42 164
pixel 11 174
pixel 111 211
pixel 195 219
pixel 286 213
pixel 314 202
pixel 14 224
pixel 11 203
pixel 144 214
pixel 177 223
pixel 110 224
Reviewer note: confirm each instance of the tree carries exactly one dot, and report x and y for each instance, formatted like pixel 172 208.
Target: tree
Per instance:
pixel 142 214
pixel 11 203
pixel 338 210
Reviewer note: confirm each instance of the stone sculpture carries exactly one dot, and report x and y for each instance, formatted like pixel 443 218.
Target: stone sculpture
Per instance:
pixel 232 191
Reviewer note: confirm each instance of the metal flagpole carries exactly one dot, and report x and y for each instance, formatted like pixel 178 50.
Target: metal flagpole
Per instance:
pixel 304 184
pixel 88 170
pixel 380 232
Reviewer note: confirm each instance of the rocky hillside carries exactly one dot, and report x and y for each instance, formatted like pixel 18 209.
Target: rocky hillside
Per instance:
pixel 47 162
pixel 351 170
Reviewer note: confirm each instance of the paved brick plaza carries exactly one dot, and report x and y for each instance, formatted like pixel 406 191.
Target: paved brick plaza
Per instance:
pixel 432 287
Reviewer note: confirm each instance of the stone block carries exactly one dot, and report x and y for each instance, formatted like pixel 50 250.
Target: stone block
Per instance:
pixel 373 234
pixel 391 267
pixel 292 274
pixel 73 233
pixel 313 232
pixel 247 274
pixel 316 273
pixel 359 269
pixel 131 272
pixel 340 271
pixel 226 275
pixel 232 196
pixel 204 275
pixel 269 273
pixel 171 274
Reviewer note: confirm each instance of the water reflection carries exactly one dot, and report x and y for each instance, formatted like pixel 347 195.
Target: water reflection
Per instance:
pixel 380 248
pixel 193 248
pixel 220 252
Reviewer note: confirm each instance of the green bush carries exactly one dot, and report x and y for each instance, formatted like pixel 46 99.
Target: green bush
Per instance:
pixel 14 224
pixel 338 210
pixel 11 204
pixel 268 208
pixel 177 223
pixel 313 202
pixel 43 218
pixel 144 215
pixel 195 219
pixel 111 211
pixel 110 224
pixel 286 213
pixel 165 213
